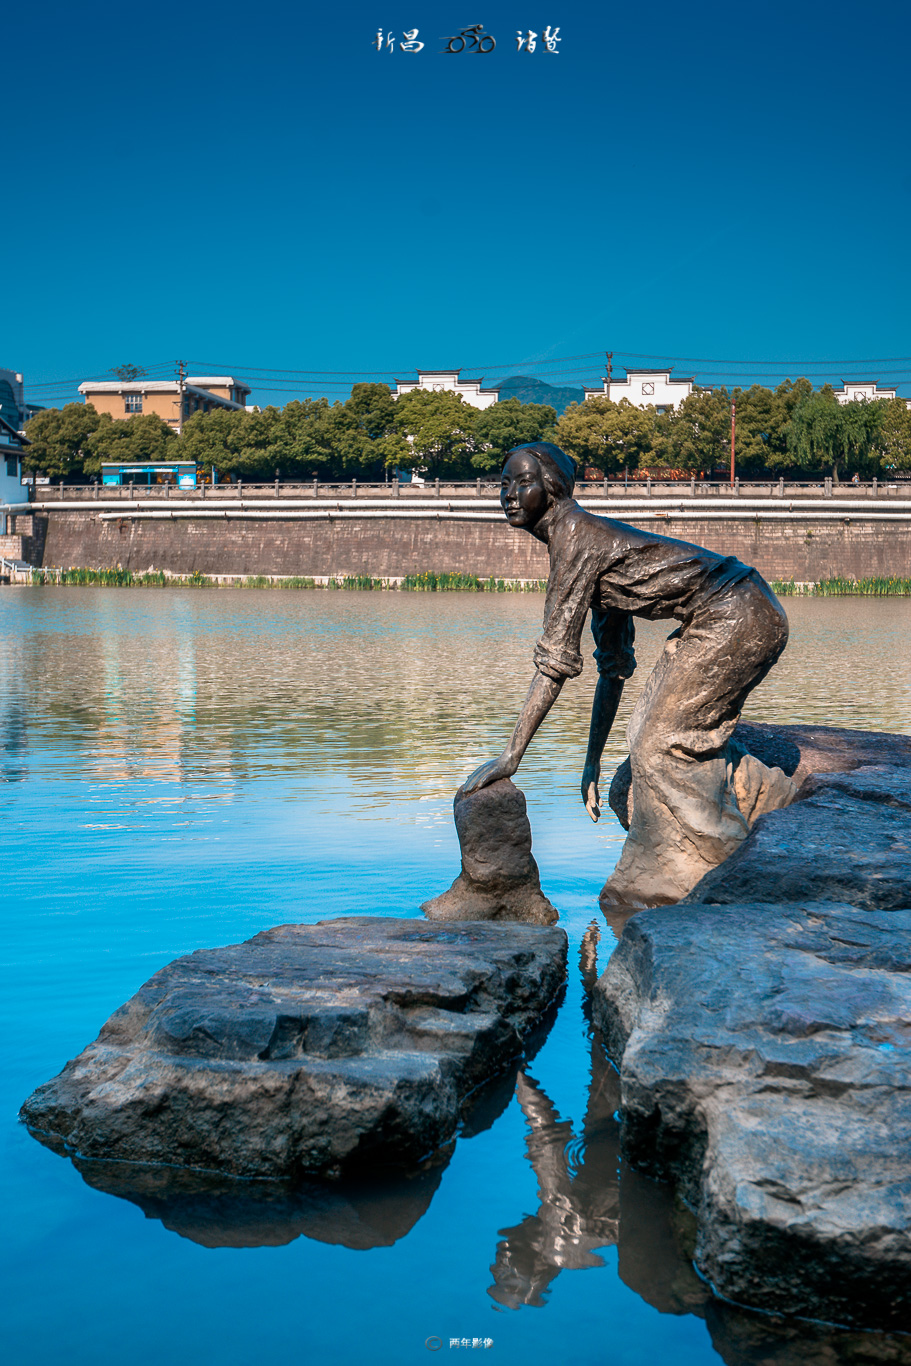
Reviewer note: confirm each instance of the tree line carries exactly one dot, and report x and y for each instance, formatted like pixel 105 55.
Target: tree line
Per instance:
pixel 791 430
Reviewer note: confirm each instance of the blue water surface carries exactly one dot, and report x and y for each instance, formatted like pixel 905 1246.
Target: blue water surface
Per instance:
pixel 185 768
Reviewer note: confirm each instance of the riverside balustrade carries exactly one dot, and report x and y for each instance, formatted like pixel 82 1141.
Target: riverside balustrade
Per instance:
pixel 484 488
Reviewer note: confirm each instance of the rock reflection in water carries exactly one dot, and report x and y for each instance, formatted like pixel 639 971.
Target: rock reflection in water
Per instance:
pixel 215 1211
pixel 744 1339
pixel 357 1212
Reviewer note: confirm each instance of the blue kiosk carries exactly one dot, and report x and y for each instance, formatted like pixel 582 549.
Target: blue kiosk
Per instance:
pixel 179 472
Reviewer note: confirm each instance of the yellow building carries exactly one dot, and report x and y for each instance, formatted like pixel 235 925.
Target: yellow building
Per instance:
pixel 201 394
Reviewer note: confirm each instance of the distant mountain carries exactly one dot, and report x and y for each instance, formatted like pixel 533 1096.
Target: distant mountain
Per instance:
pixel 530 390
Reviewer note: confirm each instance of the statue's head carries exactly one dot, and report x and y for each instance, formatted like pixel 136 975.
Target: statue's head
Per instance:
pixel 534 478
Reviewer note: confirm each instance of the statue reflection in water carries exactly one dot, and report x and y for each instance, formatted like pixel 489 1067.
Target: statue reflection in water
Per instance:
pixel 590 1201
pixel 577 1177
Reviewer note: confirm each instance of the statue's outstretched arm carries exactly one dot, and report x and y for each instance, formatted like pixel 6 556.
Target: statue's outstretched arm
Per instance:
pixel 608 692
pixel 614 635
pixel 542 695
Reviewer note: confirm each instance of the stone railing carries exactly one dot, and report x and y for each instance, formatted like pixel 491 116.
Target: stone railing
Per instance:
pixel 480 488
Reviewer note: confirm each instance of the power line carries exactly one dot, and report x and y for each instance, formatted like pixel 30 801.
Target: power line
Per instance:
pixel 546 360
pixel 558 360
pixel 553 368
pixel 714 360
pixel 580 381
pixel 839 374
pixel 500 365
pixel 402 369
pixel 102 378
pixel 275 370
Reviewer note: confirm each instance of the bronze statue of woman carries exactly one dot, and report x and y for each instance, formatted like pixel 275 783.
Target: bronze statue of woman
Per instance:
pixel 685 819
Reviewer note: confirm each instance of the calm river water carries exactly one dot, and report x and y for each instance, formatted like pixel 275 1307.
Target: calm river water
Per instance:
pixel 184 768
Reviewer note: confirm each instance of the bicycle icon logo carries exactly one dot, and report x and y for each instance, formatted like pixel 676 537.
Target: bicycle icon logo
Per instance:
pixel 473 35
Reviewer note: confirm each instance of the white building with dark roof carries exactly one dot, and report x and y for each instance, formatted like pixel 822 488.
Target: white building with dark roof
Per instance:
pixel 448 381
pixel 862 391
pixel 646 388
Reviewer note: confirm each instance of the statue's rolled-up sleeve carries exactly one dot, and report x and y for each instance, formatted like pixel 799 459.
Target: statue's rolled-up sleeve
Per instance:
pixel 557 663
pixel 614 634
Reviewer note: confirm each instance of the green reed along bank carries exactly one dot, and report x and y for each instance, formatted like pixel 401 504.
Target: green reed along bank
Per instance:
pixel 891 587
pixel 428 582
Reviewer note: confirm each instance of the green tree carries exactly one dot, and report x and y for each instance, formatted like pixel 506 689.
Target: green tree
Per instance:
pixel 826 434
pixel 128 373
pixel 306 439
pixel 607 435
pixel 439 428
pixel 143 437
pixel 697 435
pixel 814 432
pixel 299 440
pixel 261 446
pixel 786 398
pixel 367 442
pixel 220 438
pixel 59 440
pixel 895 437
pixel 753 427
pixel 506 424
pixel 860 436
pixel 371 410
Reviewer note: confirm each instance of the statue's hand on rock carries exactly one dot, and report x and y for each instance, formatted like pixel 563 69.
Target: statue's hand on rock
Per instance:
pixel 591 793
pixel 488 773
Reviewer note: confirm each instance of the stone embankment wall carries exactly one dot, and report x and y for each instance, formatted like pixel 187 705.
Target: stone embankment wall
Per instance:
pixel 383 548
pixel 25 538
pixel 397 545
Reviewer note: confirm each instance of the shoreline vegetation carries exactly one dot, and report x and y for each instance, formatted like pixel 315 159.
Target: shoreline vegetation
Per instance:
pixel 428 582
pixel 891 587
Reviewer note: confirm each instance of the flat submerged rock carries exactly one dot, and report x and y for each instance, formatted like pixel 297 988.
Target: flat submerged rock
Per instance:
pixel 308 1049
pixel 847 837
pixel 765 1069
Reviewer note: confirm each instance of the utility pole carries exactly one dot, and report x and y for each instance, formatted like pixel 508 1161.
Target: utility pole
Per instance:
pixel 610 369
pixel 733 432
pixel 180 390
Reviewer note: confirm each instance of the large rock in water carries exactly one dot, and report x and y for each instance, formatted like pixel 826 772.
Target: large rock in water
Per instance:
pixel 309 1048
pixel 847 837
pixel 499 878
pixel 765 1068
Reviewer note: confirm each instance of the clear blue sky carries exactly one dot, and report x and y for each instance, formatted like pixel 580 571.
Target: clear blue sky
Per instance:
pixel 259 189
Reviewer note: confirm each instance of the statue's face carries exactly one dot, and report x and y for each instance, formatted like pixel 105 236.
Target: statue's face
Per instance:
pixel 523 496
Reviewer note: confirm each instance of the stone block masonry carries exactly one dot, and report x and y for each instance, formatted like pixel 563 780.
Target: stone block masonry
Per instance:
pixel 393 546
pixel 383 548
pixel 24 539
